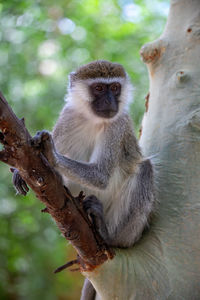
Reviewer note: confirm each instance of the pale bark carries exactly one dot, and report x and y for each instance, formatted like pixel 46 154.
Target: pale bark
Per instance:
pixel 165 264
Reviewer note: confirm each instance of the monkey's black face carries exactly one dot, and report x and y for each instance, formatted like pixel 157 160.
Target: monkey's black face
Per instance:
pixel 105 97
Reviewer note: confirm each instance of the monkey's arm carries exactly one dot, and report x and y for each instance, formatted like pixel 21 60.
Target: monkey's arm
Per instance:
pixel 94 174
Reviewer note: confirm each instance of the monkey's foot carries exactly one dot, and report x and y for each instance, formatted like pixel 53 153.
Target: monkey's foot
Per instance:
pixel 94 209
pixel 20 185
pixel 43 141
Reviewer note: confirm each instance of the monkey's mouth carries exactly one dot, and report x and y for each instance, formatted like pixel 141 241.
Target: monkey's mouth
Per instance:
pixel 105 108
pixel 106 113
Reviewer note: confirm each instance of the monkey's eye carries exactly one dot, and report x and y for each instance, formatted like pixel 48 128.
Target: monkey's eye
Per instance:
pixel 115 87
pixel 99 88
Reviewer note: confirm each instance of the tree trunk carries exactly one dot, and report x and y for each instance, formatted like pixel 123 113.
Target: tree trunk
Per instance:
pixel 165 263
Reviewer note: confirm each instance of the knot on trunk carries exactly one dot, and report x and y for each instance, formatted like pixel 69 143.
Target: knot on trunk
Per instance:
pixel 182 76
pixel 151 52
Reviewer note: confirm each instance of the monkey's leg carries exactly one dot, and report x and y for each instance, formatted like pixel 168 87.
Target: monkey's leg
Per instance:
pixel 88 292
pixel 94 208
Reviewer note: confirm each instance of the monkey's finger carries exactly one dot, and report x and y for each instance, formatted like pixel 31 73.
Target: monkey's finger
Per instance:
pixel 24 186
pixel 45 135
pixel 92 205
pixel 100 225
pixel 20 185
pixel 20 190
pixel 40 137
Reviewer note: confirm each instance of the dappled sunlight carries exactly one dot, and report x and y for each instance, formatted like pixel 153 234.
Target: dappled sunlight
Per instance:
pixel 66 26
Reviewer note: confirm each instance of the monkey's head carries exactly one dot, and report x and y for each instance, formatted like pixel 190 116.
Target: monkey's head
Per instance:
pixel 100 89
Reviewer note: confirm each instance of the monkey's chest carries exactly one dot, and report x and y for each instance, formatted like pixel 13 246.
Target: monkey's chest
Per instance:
pixel 82 147
pixel 81 152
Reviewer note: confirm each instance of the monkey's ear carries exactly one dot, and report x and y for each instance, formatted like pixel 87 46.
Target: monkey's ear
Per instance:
pixel 72 78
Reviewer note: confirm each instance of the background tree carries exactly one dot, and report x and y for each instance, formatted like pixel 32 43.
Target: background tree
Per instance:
pixel 40 44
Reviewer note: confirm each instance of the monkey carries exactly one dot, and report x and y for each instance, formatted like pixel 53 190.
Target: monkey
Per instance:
pixel 94 148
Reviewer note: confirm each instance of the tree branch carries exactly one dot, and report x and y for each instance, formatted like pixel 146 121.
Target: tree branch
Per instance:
pixel 47 184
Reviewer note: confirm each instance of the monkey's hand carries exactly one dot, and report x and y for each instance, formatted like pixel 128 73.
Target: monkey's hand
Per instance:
pixel 94 209
pixel 19 184
pixel 43 140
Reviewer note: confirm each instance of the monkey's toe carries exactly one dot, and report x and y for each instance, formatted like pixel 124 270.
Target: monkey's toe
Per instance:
pixel 20 185
pixel 93 206
pixel 94 209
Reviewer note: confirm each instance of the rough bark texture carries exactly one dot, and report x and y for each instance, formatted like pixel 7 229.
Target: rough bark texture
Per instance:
pixel 165 264
pixel 47 185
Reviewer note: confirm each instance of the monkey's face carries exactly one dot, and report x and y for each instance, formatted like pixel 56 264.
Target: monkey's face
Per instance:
pixel 105 98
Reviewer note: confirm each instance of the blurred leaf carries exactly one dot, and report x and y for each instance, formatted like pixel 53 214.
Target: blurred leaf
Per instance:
pixel 41 42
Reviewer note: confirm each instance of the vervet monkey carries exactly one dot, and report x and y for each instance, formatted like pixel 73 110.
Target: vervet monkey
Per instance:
pixel 94 148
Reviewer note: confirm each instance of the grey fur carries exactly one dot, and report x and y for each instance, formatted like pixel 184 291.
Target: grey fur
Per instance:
pixel 102 157
pixel 98 69
pixel 95 175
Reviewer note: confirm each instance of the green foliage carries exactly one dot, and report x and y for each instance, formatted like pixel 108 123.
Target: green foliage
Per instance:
pixel 41 42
